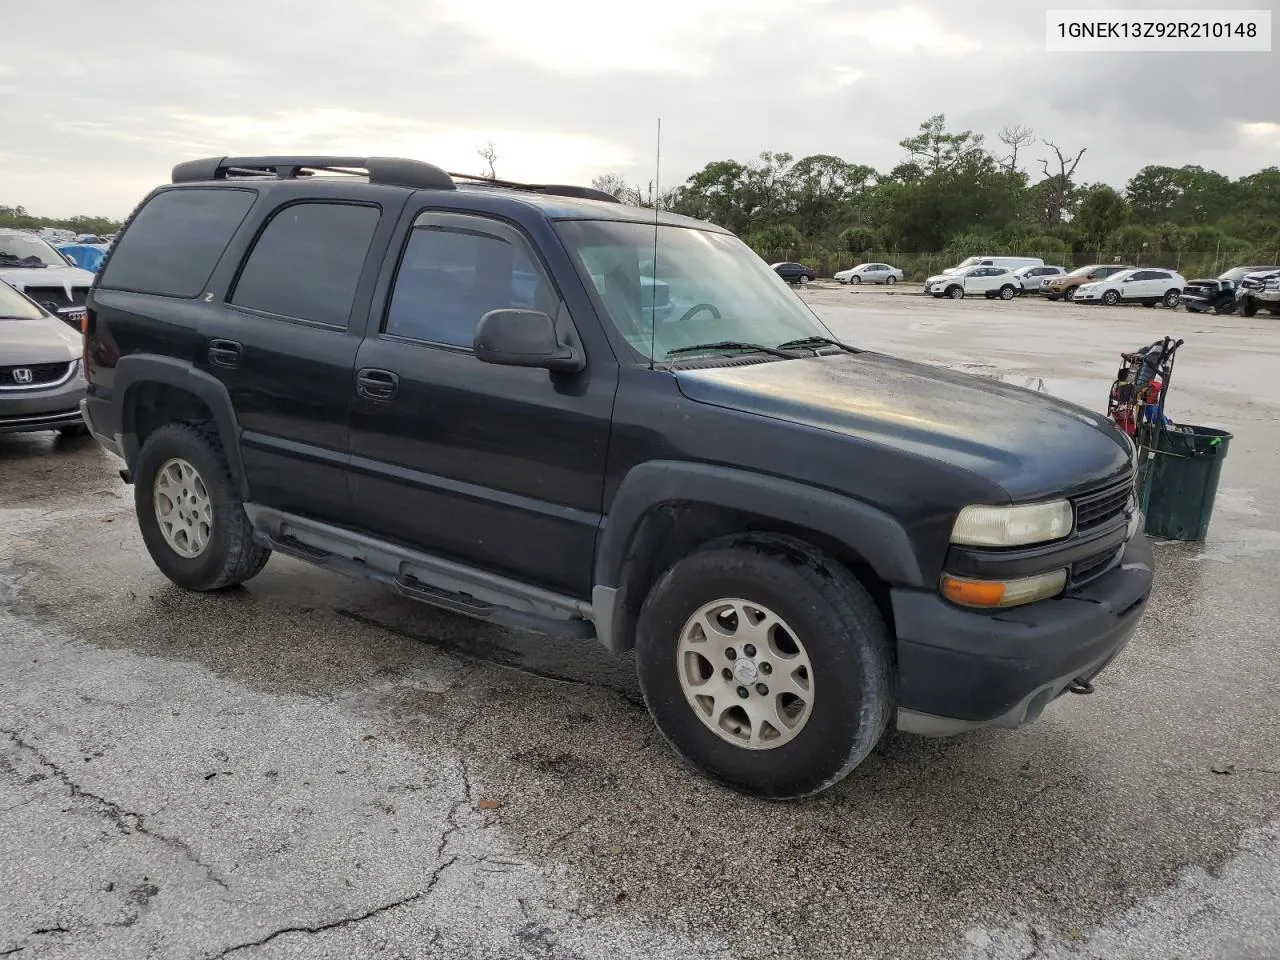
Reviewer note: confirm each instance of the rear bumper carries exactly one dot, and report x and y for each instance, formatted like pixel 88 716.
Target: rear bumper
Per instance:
pixel 23 411
pixel 960 670
pixel 109 442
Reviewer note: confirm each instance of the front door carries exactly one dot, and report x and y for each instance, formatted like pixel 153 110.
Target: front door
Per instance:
pixel 501 467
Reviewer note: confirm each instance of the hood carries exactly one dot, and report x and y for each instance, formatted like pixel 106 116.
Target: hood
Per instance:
pixel 65 277
pixel 1031 444
pixel 938 276
pixel 46 340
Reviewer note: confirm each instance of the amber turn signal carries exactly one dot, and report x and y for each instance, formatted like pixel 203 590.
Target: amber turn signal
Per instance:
pixel 995 594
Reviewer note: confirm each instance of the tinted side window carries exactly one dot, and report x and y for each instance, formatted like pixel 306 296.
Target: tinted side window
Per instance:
pixel 452 275
pixel 175 241
pixel 307 262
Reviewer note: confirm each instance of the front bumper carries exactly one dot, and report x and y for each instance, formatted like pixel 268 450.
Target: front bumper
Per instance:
pixel 29 410
pixel 961 670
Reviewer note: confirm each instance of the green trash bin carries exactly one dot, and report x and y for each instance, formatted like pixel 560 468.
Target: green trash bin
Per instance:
pixel 1178 481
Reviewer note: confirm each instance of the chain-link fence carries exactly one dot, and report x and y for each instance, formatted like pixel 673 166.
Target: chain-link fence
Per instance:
pixel 918 266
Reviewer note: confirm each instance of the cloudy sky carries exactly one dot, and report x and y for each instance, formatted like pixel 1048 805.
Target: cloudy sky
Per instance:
pixel 97 112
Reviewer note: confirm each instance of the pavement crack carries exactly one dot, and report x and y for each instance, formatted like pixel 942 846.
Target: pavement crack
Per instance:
pixel 126 821
pixel 346 921
pixel 451 820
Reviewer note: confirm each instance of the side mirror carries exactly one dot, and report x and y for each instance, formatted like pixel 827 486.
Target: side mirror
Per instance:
pixel 526 338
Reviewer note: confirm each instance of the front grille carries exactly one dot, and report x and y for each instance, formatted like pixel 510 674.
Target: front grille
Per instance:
pixel 57 296
pixel 39 373
pixel 1100 507
pixel 1090 568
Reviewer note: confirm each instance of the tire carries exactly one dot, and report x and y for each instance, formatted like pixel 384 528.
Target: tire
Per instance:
pixel 839 629
pixel 1007 292
pixel 1069 293
pixel 229 555
pixel 1248 307
pixel 891 280
pixel 1171 298
pixel 1111 297
pixel 955 293
pixel 856 280
pixel 804 279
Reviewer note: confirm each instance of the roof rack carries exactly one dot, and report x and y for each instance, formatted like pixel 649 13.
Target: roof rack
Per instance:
pixel 393 171
pixel 552 189
pixel 389 170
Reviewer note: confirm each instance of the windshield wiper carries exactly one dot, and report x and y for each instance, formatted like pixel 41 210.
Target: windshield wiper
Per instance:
pixel 817 342
pixel 733 345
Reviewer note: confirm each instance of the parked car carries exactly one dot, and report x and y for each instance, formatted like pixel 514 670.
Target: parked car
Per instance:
pixel 1031 279
pixel 41 377
pixel 1011 263
pixel 794 272
pixel 1145 286
pixel 32 265
pixel 354 387
pixel 1218 295
pixel 992 282
pixel 870 273
pixel 1065 286
pixel 1259 291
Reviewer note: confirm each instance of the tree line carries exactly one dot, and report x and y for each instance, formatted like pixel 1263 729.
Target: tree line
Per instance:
pixel 20 218
pixel 954 196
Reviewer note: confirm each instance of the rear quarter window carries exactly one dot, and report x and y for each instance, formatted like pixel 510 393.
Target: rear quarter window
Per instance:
pixel 173 243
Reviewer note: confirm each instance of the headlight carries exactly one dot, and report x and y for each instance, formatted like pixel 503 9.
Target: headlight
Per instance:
pixel 982 526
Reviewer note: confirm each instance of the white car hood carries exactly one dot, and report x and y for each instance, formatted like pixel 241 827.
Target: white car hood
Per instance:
pixel 65 277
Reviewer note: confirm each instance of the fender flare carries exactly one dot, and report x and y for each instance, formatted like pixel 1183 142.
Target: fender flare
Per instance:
pixel 138 369
pixel 873 534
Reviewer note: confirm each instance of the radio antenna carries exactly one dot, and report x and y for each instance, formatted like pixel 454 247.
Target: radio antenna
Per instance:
pixel 653 293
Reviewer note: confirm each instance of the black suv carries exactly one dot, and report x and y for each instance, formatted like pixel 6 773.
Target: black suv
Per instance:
pixel 461 389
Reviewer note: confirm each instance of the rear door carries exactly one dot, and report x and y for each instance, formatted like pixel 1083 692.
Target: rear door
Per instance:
pixel 284 342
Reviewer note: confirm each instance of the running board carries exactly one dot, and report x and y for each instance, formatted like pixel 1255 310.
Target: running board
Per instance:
pixel 419 576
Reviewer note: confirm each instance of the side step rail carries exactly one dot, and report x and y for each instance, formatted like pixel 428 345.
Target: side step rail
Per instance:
pixel 419 576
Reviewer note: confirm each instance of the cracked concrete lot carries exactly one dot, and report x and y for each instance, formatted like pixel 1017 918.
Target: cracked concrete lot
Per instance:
pixel 311 767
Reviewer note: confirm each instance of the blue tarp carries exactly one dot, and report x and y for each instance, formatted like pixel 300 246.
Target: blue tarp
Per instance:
pixel 88 256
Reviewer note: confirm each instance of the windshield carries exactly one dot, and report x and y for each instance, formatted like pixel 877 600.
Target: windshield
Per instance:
pixel 23 249
pixel 705 288
pixel 14 306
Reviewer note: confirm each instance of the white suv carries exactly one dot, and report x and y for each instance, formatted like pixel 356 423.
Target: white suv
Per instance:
pixel 1147 286
pixel 992 282
pixel 1032 278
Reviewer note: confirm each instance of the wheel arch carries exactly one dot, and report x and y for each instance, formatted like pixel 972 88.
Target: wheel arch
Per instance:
pixel 155 390
pixel 664 511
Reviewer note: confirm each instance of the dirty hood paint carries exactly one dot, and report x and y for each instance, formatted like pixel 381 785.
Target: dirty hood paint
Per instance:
pixel 1031 444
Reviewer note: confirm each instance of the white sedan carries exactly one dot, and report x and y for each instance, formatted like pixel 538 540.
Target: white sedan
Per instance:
pixel 1145 286
pixel 871 273
pixel 991 282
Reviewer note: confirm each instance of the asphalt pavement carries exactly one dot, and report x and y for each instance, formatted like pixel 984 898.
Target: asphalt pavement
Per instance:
pixel 311 767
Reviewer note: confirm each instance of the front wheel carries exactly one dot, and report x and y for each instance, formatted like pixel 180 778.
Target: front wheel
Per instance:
pixel 956 293
pixel 856 280
pixel 189 512
pixel 1069 293
pixel 1111 298
pixel 766 665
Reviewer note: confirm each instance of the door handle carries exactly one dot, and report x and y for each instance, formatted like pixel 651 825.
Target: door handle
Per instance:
pixel 373 384
pixel 225 353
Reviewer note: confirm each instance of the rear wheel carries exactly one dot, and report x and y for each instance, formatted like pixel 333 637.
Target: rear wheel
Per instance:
pixel 1248 306
pixel 1007 292
pixel 804 278
pixel 1172 298
pixel 190 514
pixel 766 665
pixel 891 280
